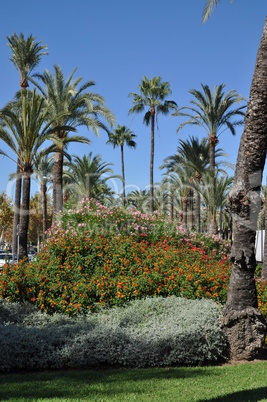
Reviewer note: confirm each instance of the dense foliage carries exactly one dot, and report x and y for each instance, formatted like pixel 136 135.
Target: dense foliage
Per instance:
pixel 149 332
pixel 105 256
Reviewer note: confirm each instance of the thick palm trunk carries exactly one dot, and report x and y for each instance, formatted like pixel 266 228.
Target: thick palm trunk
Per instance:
pixel 24 216
pixel 16 210
pixel 212 225
pixel 243 324
pixel 264 264
pixel 44 207
pixel 152 161
pixel 123 177
pixel 57 183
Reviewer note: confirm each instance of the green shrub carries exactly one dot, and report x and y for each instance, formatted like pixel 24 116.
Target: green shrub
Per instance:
pixel 149 332
pixel 99 256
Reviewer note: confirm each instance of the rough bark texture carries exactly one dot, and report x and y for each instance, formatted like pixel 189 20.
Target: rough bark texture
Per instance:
pixel 152 161
pixel 264 263
pixel 245 329
pixel 16 210
pixel 24 216
pixel 213 140
pixel 242 322
pixel 212 226
pixel 57 183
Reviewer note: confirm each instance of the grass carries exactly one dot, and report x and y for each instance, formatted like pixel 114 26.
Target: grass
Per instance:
pixel 242 382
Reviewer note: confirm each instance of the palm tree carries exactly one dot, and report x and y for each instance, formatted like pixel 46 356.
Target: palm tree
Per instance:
pixel 76 107
pixel 214 190
pixel 26 55
pixel 25 138
pixel 139 199
pixel 264 264
pixel 43 171
pixel 213 112
pixel 89 175
pixel 176 185
pixel 243 324
pixel 122 135
pixel 193 155
pixel 152 96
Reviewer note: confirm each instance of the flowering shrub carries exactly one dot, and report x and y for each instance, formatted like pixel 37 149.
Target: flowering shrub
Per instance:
pixel 99 256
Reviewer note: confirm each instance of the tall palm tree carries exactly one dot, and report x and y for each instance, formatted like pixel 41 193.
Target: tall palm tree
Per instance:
pixel 76 107
pixel 24 138
pixel 152 97
pixel 243 324
pixel 122 135
pixel 43 168
pixel 213 112
pixel 26 55
pixel 89 176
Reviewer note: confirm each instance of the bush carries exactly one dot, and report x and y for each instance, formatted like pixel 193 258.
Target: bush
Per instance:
pixel 144 333
pixel 98 256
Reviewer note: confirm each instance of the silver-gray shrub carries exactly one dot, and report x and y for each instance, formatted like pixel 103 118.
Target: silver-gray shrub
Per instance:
pixel 144 333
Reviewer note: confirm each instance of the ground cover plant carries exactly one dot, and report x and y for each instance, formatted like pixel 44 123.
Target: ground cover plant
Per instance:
pixel 144 333
pixel 99 256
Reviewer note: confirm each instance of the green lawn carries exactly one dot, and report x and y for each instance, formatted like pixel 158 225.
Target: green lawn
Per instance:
pixel 242 382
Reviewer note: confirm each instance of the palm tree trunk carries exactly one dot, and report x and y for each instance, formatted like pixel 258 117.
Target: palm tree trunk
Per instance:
pixel 197 211
pixel 213 140
pixel 44 202
pixel 242 322
pixel 212 225
pixel 191 210
pixel 171 206
pixel 24 216
pixel 16 210
pixel 123 177
pixel 185 202
pixel 152 161
pixel 264 263
pixel 57 183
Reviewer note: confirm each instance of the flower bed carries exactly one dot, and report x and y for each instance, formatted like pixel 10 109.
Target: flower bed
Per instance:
pixel 99 256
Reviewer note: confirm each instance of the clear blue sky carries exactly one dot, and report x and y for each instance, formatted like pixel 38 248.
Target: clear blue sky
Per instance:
pixel 116 42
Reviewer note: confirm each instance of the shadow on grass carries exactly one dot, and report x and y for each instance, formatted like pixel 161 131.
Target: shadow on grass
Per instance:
pixel 79 383
pixel 252 395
